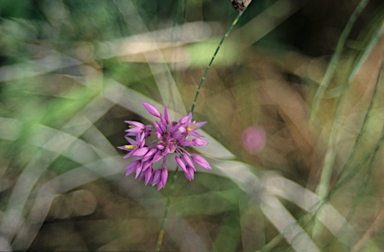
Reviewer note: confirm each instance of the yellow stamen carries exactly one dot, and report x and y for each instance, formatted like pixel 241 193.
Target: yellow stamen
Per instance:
pixel 191 127
pixel 132 147
pixel 130 126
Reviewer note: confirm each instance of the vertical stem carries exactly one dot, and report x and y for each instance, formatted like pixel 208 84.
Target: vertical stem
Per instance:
pixel 164 222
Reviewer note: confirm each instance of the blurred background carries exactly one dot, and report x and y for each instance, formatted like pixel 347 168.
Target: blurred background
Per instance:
pixel 293 101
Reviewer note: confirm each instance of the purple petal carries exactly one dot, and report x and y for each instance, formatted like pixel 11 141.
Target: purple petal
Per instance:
pixel 195 134
pixel 160 146
pixel 156 177
pixel 178 136
pixel 157 156
pixel 164 176
pixel 130 171
pixel 158 128
pixel 163 126
pixel 195 126
pixel 132 164
pixel 174 128
pixel 160 185
pixel 200 161
pixel 162 120
pixel 128 155
pixel 130 140
pixel 149 154
pixel 166 151
pixel 189 174
pixel 151 109
pixel 137 124
pixel 142 175
pixel 187 160
pixel 187 143
pixel 145 166
pixel 199 142
pixel 138 170
pixel 182 129
pixel 159 136
pixel 166 115
pixel 148 175
pixel 180 163
pixel 134 130
pixel 191 167
pixel 140 152
pixel 132 167
pixel 123 148
pixel 186 119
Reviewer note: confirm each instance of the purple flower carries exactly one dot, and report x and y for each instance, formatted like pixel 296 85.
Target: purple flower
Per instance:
pixel 171 137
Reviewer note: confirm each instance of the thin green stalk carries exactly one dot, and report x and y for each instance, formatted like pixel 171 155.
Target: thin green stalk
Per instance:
pixel 326 173
pixel 372 156
pixel 330 155
pixel 366 119
pixel 164 221
pixel 213 57
pixel 335 59
pixel 325 178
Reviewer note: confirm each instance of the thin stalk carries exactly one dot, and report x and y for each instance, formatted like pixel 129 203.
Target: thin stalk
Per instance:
pixel 372 155
pixel 164 222
pixel 335 59
pixel 213 57
pixel 330 156
pixel 325 177
pixel 364 126
pixel 324 184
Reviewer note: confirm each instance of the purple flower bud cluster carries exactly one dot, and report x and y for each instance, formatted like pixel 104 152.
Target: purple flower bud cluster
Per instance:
pixel 170 139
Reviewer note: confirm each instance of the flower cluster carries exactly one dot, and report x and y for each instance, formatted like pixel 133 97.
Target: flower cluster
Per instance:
pixel 171 138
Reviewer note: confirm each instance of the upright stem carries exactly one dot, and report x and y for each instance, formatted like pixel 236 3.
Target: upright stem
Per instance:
pixel 164 222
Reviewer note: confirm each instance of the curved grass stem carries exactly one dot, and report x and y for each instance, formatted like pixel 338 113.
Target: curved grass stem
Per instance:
pixel 330 155
pixel 335 59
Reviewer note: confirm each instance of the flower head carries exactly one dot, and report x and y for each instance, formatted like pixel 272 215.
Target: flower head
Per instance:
pixel 171 138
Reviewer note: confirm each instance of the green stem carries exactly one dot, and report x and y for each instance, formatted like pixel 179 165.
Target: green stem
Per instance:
pixel 335 59
pixel 325 178
pixel 365 124
pixel 164 222
pixel 213 57
pixel 341 180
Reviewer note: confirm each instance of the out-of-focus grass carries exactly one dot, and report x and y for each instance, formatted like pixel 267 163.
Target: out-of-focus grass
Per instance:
pixel 71 72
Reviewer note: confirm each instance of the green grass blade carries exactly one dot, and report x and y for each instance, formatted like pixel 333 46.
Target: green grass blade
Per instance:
pixel 335 59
